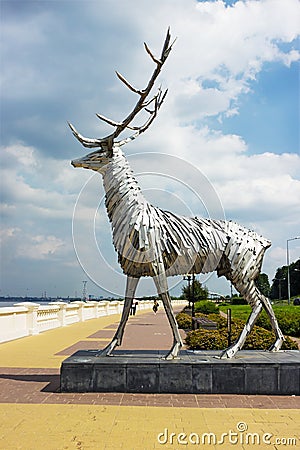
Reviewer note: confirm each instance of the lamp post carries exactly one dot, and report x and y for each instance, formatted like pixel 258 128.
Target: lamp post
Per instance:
pixel 288 266
pixel 190 277
pixel 193 301
pixel 84 291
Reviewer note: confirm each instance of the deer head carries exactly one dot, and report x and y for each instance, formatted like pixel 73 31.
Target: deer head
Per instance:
pixel 106 145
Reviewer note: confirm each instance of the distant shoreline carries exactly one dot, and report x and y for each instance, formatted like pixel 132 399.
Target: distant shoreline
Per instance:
pixel 11 302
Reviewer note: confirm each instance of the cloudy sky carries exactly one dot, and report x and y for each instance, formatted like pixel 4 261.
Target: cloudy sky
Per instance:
pixel 224 145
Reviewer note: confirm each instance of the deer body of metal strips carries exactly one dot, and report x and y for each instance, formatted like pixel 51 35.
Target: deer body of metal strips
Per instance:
pixel 143 234
pixel 157 243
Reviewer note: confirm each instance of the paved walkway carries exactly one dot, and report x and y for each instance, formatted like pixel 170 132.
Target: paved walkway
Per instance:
pixel 34 415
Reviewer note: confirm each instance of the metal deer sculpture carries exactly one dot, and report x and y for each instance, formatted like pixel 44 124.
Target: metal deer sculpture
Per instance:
pixel 157 243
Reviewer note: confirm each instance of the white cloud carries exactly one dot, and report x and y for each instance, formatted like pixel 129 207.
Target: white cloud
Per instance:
pixel 227 45
pixel 8 233
pixel 39 247
pixel 19 154
pixel 59 66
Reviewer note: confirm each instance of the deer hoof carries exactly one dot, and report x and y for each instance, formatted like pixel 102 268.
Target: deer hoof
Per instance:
pixel 108 350
pixel 228 353
pixel 276 346
pixel 170 356
pixel 173 354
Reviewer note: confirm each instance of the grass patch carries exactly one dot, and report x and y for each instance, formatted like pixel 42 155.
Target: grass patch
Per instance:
pixel 237 311
pixel 288 317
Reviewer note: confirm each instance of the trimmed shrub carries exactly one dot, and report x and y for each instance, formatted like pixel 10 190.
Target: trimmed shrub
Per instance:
pixel 206 340
pixel 184 321
pixel 288 320
pixel 236 300
pixel 289 344
pixel 206 307
pixel 259 338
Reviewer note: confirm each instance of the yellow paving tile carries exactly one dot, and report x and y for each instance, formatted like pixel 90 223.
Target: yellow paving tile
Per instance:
pixel 40 350
pixel 97 427
pixel 35 427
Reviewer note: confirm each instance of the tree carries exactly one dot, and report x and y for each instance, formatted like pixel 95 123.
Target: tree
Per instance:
pixel 279 289
pixel 200 293
pixel 262 282
pixel 295 278
pixel 279 286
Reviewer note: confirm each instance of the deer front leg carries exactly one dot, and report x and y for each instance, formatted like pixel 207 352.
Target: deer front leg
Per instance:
pixel 162 290
pixel 177 341
pixel 131 286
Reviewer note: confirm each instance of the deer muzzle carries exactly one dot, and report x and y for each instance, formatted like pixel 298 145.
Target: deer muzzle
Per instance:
pixel 93 161
pixel 77 163
pixel 86 162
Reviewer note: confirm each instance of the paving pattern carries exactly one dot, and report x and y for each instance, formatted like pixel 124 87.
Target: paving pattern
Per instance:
pixel 35 415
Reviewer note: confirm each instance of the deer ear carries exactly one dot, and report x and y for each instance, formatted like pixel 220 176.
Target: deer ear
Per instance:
pixel 107 147
pixel 110 153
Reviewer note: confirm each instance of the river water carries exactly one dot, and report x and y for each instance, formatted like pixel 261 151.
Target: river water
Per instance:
pixel 15 302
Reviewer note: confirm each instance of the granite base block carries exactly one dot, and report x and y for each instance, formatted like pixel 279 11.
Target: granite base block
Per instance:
pixel 197 372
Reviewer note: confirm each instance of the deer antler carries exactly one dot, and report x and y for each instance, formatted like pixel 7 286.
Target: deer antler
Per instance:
pixel 142 104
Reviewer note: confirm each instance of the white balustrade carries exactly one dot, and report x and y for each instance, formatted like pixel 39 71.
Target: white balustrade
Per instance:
pixel 13 323
pixel 72 315
pixel 25 319
pixel 48 318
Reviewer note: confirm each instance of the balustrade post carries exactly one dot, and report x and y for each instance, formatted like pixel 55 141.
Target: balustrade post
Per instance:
pixel 62 313
pixel 81 311
pixel 32 317
pixel 95 309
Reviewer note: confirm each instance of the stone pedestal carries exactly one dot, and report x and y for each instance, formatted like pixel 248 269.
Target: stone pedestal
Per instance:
pixel 197 372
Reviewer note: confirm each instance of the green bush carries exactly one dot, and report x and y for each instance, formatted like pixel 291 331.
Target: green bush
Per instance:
pixel 206 340
pixel 288 320
pixel 258 339
pixel 206 307
pixel 289 344
pixel 264 321
pixel 184 321
pixel 237 300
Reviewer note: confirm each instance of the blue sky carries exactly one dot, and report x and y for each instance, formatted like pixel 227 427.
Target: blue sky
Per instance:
pixel 269 115
pixel 229 127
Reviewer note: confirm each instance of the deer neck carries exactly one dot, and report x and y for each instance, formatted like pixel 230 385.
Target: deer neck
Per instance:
pixel 123 194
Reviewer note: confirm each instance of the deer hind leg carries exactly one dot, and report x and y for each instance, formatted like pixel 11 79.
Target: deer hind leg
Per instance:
pixel 257 301
pixel 162 290
pixel 131 286
pixel 251 294
pixel 276 346
pixel 239 343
